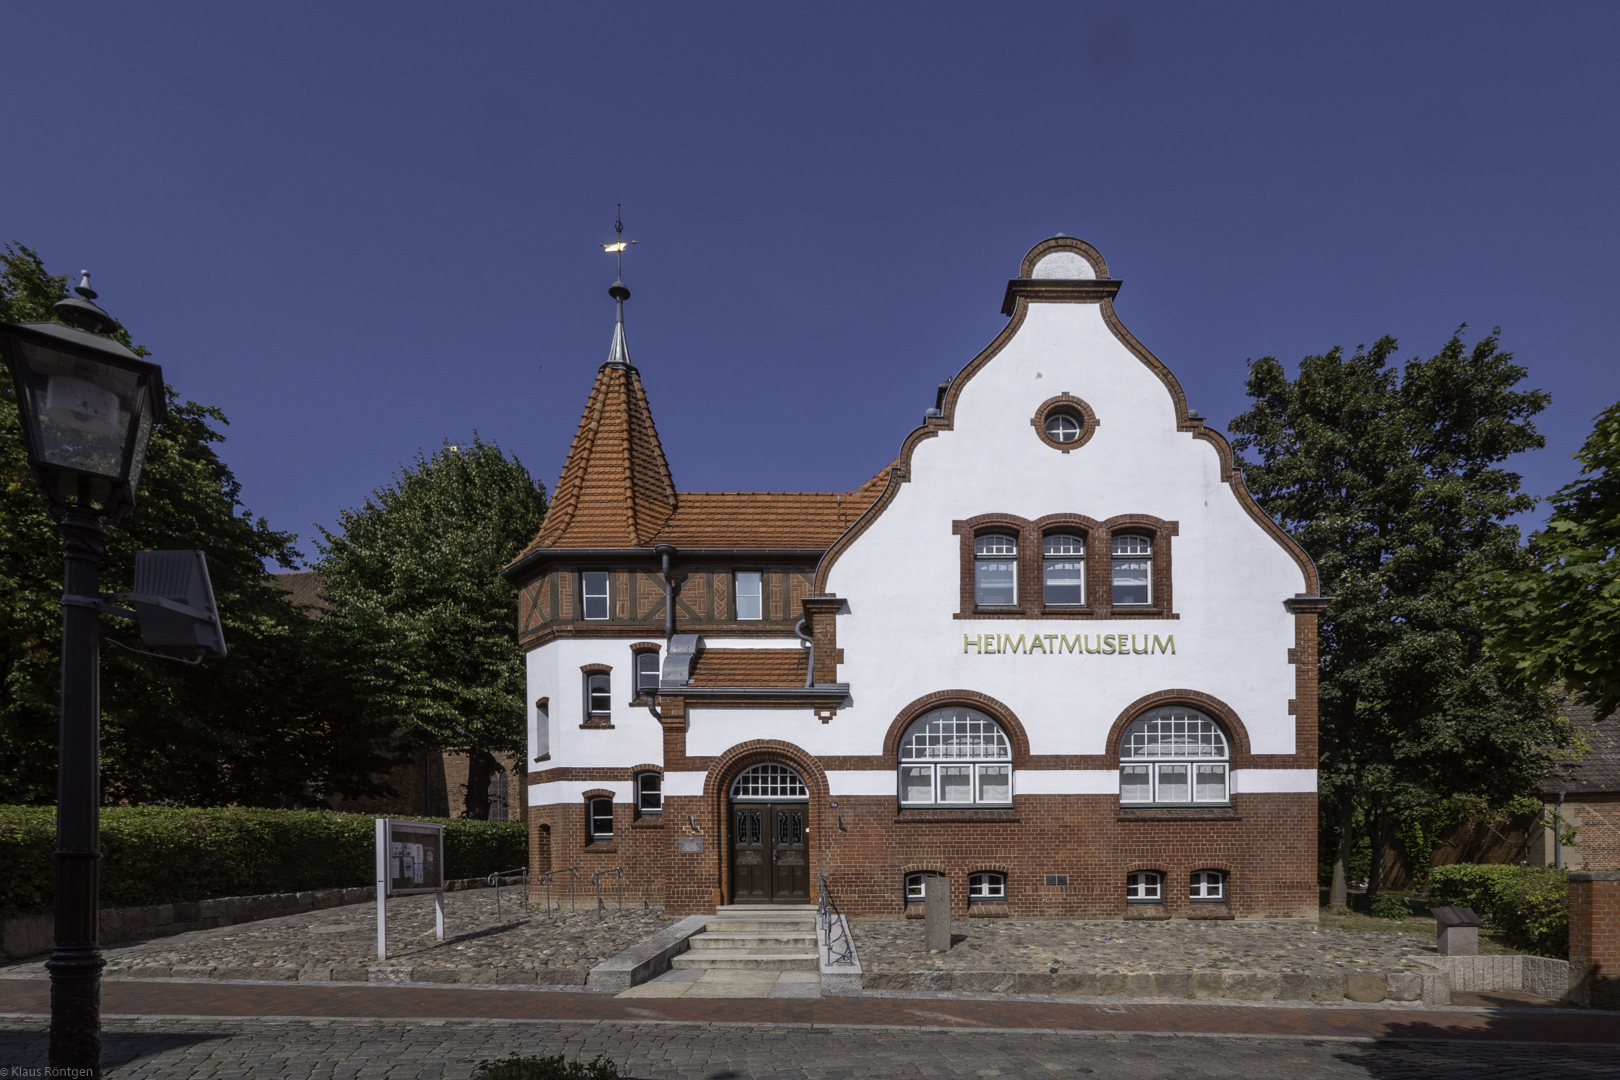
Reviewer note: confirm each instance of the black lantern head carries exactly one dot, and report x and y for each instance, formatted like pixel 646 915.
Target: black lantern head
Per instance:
pixel 87 403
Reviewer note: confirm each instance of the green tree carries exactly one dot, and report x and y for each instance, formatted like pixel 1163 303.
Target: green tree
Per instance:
pixel 1389 479
pixel 421 620
pixel 249 729
pixel 1557 619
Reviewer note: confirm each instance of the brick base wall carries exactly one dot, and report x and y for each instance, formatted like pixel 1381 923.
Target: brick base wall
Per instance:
pixel 1266 845
pixel 1594 936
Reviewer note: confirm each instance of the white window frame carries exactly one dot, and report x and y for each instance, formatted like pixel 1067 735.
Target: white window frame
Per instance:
pixel 757 596
pixel 592 817
pixel 657 794
pixel 916 888
pixel 1054 417
pixel 1075 551
pixel 1201 884
pixel 1124 549
pixel 965 739
pixel 591 696
pixel 1144 887
pixel 987 887
pixel 995 548
pixel 643 682
pixel 1175 737
pixel 605 596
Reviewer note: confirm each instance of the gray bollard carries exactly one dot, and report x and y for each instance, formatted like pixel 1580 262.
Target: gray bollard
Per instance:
pixel 937 913
pixel 1456 930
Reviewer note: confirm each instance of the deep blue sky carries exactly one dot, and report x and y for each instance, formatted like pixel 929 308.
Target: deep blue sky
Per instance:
pixel 363 229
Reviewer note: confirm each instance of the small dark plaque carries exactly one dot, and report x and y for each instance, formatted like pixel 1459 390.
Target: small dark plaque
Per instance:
pixel 689 845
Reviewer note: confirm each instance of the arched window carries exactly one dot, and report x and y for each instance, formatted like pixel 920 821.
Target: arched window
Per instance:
pixel 599 819
pixel 987 887
pixel 769 782
pixel 1173 756
pixel 1063 570
pixel 1133 571
pixel 995 570
pixel 955 756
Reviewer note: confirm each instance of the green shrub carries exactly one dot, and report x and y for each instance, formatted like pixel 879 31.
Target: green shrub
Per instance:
pixel 1389 907
pixel 1526 905
pixel 514 1067
pixel 163 855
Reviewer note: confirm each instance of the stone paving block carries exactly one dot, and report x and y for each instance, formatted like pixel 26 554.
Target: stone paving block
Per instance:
pixel 1295 987
pixel 192 971
pixel 1436 988
pixel 983 982
pixel 1404 986
pixel 656 989
pixel 359 896
pixel 1251 985
pixel 475 976
pixel 154 971
pixel 1113 984
pixel 426 974
pixel 315 973
pixel 325 898
pixel 929 980
pixel 781 989
pixel 274 972
pixel 1076 983
pixel 349 973
pixel 235 972
pixel 886 980
pixel 799 977
pixel 1328 988
pixel 389 974
pixel 1034 982
pixel 1365 986
pixel 1208 984
pixel 1172 984
pixel 513 976
pixel 574 976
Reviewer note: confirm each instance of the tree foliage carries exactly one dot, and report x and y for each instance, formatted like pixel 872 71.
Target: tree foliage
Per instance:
pixel 1557 619
pixel 1389 478
pixel 423 622
pixel 250 728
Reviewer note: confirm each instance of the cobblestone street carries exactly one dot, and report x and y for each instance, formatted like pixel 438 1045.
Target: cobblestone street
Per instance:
pixel 1127 947
pixel 174 1049
pixel 340 943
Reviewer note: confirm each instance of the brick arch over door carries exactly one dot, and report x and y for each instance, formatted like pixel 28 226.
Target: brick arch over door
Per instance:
pixel 971 699
pixel 1213 707
pixel 726 769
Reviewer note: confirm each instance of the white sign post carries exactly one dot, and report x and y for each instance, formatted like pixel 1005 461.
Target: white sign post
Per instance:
pixel 410 859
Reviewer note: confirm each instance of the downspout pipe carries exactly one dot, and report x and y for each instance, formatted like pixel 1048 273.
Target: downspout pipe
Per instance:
pixel 664 551
pixel 810 669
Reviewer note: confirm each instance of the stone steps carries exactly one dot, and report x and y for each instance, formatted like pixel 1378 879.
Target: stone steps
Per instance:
pixel 753 959
pixel 757 937
pixel 776 940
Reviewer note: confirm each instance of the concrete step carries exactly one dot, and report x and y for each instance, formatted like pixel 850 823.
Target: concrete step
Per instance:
pixel 772 926
pixel 773 939
pixel 751 959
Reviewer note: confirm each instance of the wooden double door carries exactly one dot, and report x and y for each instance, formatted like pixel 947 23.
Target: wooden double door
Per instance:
pixel 770 853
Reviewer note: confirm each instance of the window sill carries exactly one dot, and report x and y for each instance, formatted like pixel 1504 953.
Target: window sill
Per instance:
pixel 601 847
pixel 1178 813
pixel 932 813
pixel 987 909
pixel 648 821
pixel 596 725
pixel 1211 910
pixel 1146 910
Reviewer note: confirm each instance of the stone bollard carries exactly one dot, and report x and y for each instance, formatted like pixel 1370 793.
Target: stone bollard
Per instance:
pixel 937 913
pixel 1457 930
pixel 1594 936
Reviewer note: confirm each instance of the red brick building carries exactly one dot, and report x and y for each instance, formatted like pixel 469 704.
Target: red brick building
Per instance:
pixel 1053 651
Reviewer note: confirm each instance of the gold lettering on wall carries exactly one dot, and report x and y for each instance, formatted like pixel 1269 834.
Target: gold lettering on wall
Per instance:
pixel 1053 644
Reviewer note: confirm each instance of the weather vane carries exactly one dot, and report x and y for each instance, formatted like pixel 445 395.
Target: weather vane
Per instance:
pixel 618 246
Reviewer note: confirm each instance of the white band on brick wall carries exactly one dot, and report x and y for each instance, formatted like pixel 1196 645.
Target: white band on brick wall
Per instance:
pixel 1065 782
pixel 1272 781
pixel 685 785
pixel 863 782
pixel 559 791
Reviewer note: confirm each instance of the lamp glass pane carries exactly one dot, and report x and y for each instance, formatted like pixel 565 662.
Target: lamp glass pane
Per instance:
pixel 84 411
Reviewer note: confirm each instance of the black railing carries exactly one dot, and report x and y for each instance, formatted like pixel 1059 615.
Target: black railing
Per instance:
pixel 596 880
pixel 521 872
pixel 834 928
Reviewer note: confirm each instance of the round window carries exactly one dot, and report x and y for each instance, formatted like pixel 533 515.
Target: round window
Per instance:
pixel 1064 422
pixel 1063 427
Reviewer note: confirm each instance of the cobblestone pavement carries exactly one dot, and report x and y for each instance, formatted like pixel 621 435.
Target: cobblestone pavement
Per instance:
pixel 1127 947
pixel 341 943
pixel 171 1049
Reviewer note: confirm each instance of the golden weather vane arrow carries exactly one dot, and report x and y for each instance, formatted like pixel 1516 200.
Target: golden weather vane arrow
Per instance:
pixel 618 246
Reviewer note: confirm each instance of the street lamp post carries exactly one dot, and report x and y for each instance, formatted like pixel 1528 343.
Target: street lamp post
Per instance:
pixel 88 405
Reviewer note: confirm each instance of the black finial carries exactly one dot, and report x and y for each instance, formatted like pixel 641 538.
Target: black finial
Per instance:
pixel 81 312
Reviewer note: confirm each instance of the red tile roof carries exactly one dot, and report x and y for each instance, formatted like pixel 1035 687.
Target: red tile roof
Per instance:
pixel 750 667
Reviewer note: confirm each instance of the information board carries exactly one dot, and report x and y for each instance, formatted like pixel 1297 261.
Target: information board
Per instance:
pixel 413 854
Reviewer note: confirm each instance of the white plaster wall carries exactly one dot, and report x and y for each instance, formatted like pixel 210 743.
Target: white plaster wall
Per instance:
pixel 553 669
pixel 901 577
pixel 714 731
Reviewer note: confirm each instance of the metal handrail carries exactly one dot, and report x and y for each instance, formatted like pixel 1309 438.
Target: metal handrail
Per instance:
pixel 830 917
pixel 495 883
pixel 573 872
pixel 544 881
pixel 596 880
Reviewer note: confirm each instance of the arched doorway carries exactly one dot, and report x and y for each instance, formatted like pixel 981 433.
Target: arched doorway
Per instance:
pixel 770 836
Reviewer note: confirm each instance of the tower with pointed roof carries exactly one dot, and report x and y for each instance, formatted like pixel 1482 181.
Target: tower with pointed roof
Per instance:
pixel 1054 651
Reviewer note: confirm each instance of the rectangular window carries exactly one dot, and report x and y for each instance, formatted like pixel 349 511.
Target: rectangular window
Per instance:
pixel 594 585
pixel 646 672
pixel 1173 784
pixel 599 695
pixel 600 819
pixel 1142 887
pixel 1212 783
pixel 750 594
pixel 995 571
pixel 650 793
pixel 1135 784
pixel 1063 569
pixel 916 783
pixel 1208 886
pixel 1133 563
pixel 955 783
pixel 995 783
pixel 916 886
pixel 987 887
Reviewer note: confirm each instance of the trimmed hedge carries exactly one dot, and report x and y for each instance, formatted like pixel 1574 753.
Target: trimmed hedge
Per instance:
pixel 162 855
pixel 1527 905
